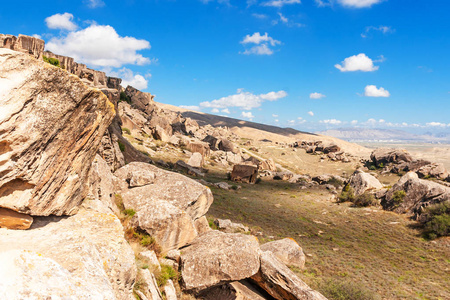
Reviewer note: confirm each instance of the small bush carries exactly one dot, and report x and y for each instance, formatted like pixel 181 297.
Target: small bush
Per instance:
pixel 335 182
pixel 398 197
pixel 126 130
pixel 124 97
pixel 121 146
pixel 347 195
pixel 436 220
pixel 119 202
pixel 345 290
pixel 365 200
pixel 167 272
pixel 129 212
pixel 372 167
pixel 52 61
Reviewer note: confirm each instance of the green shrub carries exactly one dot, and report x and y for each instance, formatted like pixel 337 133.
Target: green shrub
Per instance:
pixel 398 197
pixel 436 220
pixel 121 146
pixel 347 195
pixel 335 182
pixel 119 202
pixel 126 130
pixel 52 61
pixel 167 272
pixel 129 212
pixel 365 200
pixel 345 290
pixel 372 167
pixel 124 97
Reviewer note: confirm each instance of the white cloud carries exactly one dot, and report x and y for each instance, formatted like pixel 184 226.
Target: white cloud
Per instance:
pixel 437 124
pixel 310 113
pixel 61 21
pixel 100 46
pixel 190 107
pixel 358 62
pixel 300 118
pixel 373 91
pixel 244 100
pixel 94 3
pixel 316 96
pixel 37 36
pixel 292 122
pixel 215 110
pixel 275 116
pixel 262 44
pixel 129 78
pixel 331 122
pixel 247 115
pixel 354 122
pixel 226 111
pixel 259 16
pixel 283 18
pixel 381 28
pixel 359 3
pixel 280 3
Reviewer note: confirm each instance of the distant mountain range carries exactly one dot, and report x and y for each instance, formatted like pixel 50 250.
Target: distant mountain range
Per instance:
pixel 376 134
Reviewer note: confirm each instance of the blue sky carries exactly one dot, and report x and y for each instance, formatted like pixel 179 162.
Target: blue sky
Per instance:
pixel 307 64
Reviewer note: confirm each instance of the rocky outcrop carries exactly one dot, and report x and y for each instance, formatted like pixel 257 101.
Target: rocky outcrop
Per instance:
pixel 215 258
pixel 14 220
pixel 280 282
pixel 433 170
pixel 361 182
pixel 287 251
pixel 384 156
pixel 101 184
pixel 411 195
pixel 84 256
pixel 244 173
pixel 238 290
pixel 227 226
pixel 140 100
pixel 196 160
pixel 167 207
pixel 25 44
pixel 51 126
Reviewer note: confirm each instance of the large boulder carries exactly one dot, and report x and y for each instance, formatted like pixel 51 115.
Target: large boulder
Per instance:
pixel 385 156
pixel 411 195
pixel 244 173
pixel 436 170
pixel 215 258
pixel 280 282
pixel 140 100
pixel 51 126
pixel 287 251
pixel 361 182
pixel 84 256
pixel 167 207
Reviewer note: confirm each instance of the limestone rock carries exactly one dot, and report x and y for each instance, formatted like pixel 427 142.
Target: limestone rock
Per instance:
pixel 361 182
pixel 280 282
pixel 238 290
pixel 150 256
pixel 169 290
pixel 167 208
pixel 268 165
pixel 141 177
pixel 433 170
pixel 101 183
pixel 174 255
pixel 287 251
pixel 226 145
pixel 26 44
pixel 230 227
pixel 385 156
pixel 202 225
pixel 411 195
pixel 140 100
pixel 244 173
pixel 152 285
pixel 84 256
pixel 215 258
pixel 196 160
pixel 51 126
pixel 114 83
pixel 14 220
pixel 200 147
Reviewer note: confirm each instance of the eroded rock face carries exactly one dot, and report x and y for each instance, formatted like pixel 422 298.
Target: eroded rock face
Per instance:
pixel 167 207
pixel 384 156
pixel 361 182
pixel 51 126
pixel 287 251
pixel 280 282
pixel 215 258
pixel 244 173
pixel 411 195
pixel 14 220
pixel 84 256
pixel 433 170
pixel 26 44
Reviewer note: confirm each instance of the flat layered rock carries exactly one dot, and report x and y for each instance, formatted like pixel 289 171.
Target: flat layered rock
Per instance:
pixel 215 258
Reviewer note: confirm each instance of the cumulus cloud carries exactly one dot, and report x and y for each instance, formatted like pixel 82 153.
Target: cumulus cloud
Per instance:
pixel 100 45
pixel 94 3
pixel 310 113
pixel 247 115
pixel 360 62
pixel 316 96
pixel 275 116
pixel 37 36
pixel 262 44
pixel 373 91
pixel 215 110
pixel 331 122
pixel 359 3
pixel 280 3
pixel 129 78
pixel 61 21
pixel 382 29
pixel 244 100
pixel 354 122
pixel 259 16
pixel 226 111
pixel 437 124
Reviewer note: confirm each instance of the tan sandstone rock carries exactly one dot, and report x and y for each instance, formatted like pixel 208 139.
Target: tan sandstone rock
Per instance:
pixel 361 182
pixel 14 220
pixel 287 251
pixel 51 126
pixel 215 258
